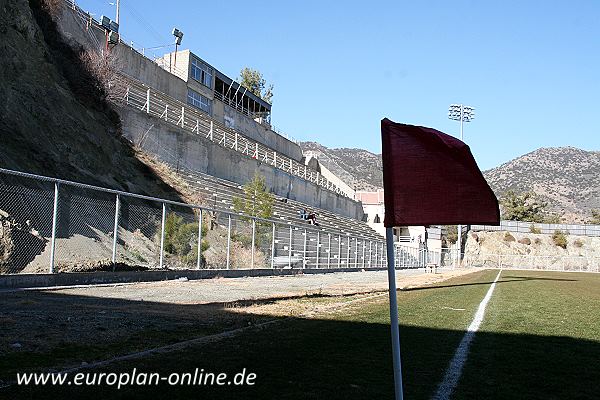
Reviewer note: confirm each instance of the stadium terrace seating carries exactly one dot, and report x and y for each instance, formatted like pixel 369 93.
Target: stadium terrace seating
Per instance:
pixel 338 241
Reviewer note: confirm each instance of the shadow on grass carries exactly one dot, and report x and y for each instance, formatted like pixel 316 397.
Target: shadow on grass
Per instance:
pixel 296 358
pixel 505 279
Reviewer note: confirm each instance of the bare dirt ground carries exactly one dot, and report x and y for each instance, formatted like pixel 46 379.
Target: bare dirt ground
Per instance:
pixel 221 290
pixel 65 328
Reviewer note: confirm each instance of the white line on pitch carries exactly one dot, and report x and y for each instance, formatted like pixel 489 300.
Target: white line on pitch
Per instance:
pixel 454 370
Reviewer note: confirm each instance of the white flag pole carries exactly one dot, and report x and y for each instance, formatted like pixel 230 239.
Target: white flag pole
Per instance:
pixel 389 236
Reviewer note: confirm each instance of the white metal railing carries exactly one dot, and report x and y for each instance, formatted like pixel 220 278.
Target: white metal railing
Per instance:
pixel 141 97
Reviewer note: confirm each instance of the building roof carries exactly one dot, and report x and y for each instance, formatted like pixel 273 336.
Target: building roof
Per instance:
pixel 236 85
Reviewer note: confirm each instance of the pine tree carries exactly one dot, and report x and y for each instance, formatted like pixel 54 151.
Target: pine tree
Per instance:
pixel 257 201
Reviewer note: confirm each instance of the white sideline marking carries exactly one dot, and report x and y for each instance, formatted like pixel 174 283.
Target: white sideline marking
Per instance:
pixel 454 370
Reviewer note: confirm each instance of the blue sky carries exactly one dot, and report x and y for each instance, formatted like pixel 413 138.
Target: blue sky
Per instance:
pixel 530 68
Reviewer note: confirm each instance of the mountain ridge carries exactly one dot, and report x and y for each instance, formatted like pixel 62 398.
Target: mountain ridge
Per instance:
pixel 568 178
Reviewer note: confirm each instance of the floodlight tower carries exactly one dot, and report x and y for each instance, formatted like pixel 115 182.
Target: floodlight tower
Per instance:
pixel 462 113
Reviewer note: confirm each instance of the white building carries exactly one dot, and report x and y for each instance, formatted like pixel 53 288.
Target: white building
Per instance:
pixel 412 236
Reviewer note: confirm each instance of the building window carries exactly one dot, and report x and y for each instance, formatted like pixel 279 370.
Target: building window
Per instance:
pixel 201 72
pixel 199 101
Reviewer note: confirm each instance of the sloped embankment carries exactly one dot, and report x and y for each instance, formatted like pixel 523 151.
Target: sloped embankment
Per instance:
pixel 54 119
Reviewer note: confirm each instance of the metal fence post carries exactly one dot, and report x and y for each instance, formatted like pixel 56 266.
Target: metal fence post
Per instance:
pixel 253 241
pixel 376 246
pixel 362 244
pixel 348 254
pixel 228 239
pixel 329 250
pixel 199 260
pixel 356 253
pixel 162 234
pixel 54 222
pixel 304 250
pixel 273 247
pixel 318 241
pixel 148 101
pixel 290 250
pixel 370 253
pixel 116 229
pixel 339 250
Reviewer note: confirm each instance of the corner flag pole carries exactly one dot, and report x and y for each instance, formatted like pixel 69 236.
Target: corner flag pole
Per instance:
pixel 389 237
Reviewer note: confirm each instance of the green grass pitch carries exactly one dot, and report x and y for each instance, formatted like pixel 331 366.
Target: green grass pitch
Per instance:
pixel 540 339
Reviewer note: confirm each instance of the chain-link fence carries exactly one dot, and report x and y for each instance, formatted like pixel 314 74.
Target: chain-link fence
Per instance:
pixel 566 263
pixel 534 227
pixel 51 225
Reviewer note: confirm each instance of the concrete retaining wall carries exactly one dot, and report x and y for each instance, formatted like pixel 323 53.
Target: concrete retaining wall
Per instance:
pixel 255 131
pixel 99 278
pixel 178 147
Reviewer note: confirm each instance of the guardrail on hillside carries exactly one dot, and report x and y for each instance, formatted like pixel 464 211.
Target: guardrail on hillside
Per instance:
pixel 526 227
pixel 51 225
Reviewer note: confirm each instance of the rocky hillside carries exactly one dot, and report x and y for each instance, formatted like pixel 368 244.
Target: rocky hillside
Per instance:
pixel 359 168
pixel 53 117
pixel 528 250
pixel 568 178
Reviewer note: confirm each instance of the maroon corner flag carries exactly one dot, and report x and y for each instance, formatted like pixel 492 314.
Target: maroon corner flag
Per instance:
pixel 431 178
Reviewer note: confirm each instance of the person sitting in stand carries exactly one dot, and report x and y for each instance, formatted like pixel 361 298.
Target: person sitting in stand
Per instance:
pixel 312 219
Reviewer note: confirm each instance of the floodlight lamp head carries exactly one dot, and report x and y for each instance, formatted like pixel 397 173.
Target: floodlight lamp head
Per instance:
pixel 105 22
pixel 178 35
pixel 468 114
pixel 460 112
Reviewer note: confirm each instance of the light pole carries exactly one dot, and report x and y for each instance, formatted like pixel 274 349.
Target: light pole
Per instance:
pixel 462 113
